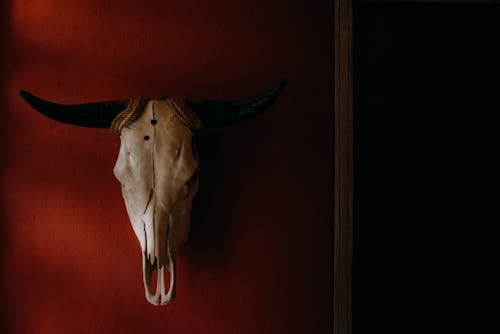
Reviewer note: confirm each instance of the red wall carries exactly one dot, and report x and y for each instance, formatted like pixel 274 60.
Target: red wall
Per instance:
pixel 259 255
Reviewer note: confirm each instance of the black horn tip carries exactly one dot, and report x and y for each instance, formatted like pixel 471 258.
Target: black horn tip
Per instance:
pixel 271 97
pixel 94 115
pixel 30 99
pixel 219 113
pixel 25 95
pixel 280 86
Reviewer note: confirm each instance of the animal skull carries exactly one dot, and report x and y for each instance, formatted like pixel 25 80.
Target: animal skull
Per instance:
pixel 157 168
pixel 157 165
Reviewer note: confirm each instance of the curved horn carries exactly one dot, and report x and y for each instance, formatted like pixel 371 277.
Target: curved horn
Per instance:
pixel 94 115
pixel 216 113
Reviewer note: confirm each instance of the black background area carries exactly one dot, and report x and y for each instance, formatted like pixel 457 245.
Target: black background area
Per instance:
pixel 426 168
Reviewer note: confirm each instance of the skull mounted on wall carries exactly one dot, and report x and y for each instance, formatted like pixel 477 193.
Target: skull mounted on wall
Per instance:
pixel 157 165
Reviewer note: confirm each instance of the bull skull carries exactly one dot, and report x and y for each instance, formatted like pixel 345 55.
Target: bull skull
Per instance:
pixel 157 165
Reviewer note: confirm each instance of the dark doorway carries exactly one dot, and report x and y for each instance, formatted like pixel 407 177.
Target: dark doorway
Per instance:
pixel 426 168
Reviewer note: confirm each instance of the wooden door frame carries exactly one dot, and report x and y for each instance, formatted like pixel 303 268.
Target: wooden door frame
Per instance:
pixel 343 165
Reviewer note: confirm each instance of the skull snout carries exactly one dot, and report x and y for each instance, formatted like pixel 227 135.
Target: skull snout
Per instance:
pixel 156 256
pixel 159 297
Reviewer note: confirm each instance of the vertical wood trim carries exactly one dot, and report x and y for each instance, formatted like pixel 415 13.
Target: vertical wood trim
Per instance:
pixel 343 197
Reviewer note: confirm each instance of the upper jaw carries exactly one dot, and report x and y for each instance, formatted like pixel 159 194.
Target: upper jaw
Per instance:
pixel 159 297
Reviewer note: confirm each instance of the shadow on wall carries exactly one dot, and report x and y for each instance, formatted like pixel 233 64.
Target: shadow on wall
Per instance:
pixel 208 224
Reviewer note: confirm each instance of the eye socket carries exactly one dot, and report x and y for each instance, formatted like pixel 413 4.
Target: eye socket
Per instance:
pixel 192 179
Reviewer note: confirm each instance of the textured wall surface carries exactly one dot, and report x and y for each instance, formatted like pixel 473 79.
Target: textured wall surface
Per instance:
pixel 259 255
